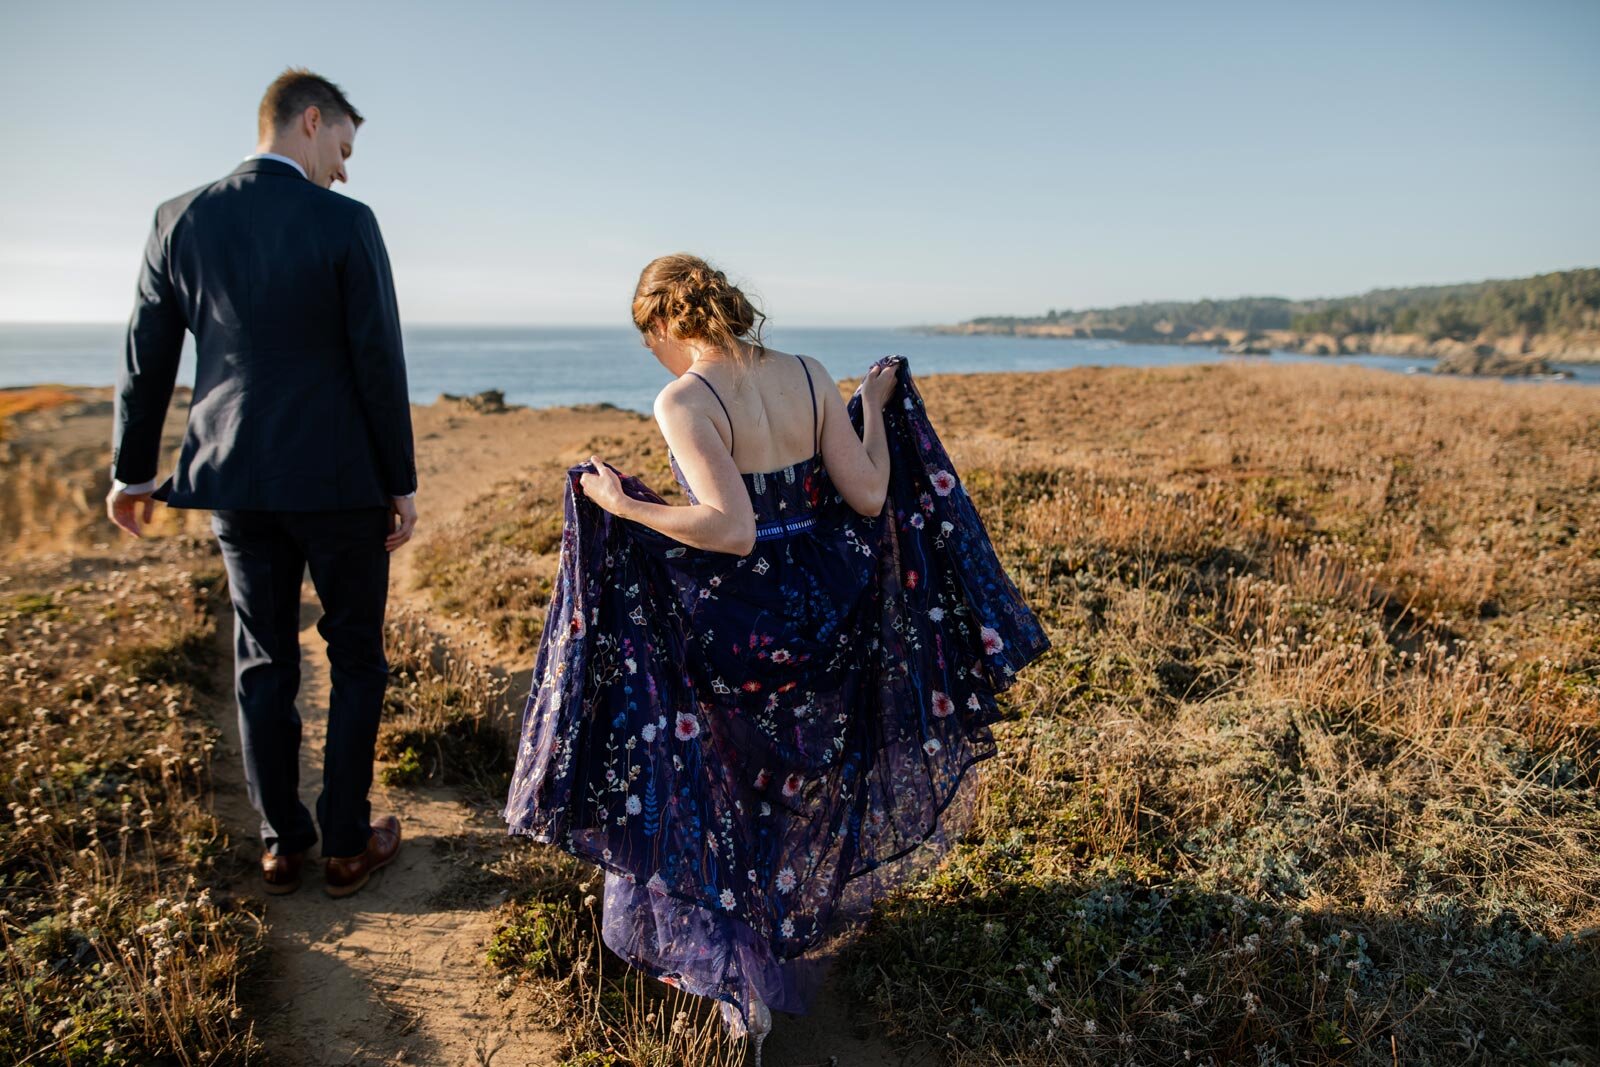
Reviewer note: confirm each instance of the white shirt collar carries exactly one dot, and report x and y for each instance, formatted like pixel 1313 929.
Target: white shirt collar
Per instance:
pixel 280 159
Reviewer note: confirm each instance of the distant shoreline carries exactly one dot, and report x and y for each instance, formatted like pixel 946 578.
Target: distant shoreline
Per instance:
pixel 1503 352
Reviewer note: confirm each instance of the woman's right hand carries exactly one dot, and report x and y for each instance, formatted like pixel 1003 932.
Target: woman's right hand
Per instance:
pixel 878 386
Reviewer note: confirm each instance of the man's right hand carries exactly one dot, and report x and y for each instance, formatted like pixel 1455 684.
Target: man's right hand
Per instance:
pixel 402 520
pixel 131 511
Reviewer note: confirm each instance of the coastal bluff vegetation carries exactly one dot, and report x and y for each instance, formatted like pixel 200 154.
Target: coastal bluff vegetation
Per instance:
pixel 1503 327
pixel 1309 776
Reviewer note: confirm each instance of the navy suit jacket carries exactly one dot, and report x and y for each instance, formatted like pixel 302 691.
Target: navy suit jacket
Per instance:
pixel 300 399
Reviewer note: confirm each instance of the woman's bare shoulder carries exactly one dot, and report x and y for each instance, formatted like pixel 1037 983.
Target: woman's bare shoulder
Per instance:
pixel 819 373
pixel 678 397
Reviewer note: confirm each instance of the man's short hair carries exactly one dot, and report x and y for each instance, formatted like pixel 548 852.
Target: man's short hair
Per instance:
pixel 297 89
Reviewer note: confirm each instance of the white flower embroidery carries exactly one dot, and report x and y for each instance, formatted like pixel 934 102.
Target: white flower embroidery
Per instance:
pixel 688 727
pixel 943 482
pixel 991 641
pixel 786 879
pixel 727 899
pixel 786 928
pixel 973 703
pixel 936 614
pixel 633 805
pixel 931 745
pixel 648 731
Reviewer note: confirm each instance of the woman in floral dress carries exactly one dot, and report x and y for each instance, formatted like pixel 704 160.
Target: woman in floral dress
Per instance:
pixel 757 711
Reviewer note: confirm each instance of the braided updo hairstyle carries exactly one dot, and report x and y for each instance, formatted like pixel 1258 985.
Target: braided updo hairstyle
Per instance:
pixel 695 302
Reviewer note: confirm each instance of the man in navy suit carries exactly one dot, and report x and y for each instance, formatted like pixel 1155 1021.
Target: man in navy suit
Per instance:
pixel 299 442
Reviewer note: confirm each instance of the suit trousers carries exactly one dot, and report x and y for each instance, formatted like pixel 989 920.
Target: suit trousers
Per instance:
pixel 267 554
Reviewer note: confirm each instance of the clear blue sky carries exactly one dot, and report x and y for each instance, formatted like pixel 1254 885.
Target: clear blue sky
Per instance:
pixel 859 164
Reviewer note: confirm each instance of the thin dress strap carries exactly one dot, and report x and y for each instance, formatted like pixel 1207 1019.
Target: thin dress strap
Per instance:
pixel 816 443
pixel 721 405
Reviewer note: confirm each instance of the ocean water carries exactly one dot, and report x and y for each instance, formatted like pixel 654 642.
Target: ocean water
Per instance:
pixel 542 366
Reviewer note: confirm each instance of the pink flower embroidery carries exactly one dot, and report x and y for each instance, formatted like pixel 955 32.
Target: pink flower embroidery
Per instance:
pixel 792 784
pixel 942 704
pixel 931 745
pixel 991 640
pixel 764 777
pixel 688 727
pixel 943 482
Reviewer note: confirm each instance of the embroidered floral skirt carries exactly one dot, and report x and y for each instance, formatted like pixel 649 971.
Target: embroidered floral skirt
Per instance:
pixel 754 748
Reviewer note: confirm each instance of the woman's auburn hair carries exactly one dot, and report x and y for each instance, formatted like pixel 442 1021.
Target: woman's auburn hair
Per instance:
pixel 693 301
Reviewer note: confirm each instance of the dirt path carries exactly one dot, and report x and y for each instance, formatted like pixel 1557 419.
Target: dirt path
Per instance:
pixel 393 974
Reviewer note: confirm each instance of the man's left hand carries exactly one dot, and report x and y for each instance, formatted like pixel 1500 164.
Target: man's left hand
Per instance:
pixel 402 521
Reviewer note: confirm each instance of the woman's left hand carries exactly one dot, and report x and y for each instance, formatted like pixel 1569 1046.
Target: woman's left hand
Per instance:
pixel 604 487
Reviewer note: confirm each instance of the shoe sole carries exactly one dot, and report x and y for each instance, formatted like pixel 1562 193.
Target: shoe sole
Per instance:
pixel 281 890
pixel 337 891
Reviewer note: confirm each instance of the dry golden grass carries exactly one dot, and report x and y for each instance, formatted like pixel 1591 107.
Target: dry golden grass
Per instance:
pixel 32 398
pixel 121 943
pixel 447 718
pixel 1310 775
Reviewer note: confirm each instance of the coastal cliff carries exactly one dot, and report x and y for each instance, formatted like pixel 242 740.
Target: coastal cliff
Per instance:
pixel 1514 326
pixel 1566 348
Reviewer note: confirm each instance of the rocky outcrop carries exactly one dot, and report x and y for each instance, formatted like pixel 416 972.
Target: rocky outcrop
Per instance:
pixel 488 402
pixel 1248 346
pixel 1485 361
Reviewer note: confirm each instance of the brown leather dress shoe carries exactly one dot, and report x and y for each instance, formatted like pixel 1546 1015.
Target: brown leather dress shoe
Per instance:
pixel 346 874
pixel 280 873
